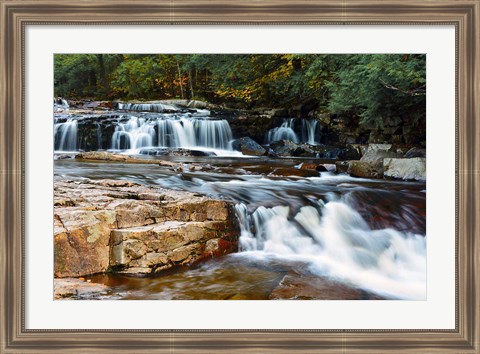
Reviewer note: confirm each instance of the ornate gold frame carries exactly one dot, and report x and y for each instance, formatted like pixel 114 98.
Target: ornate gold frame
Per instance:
pixel 17 14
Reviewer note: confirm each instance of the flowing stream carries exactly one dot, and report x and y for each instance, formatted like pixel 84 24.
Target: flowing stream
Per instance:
pixel 367 235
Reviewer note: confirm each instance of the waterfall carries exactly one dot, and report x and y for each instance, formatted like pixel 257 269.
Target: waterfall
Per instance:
pixel 213 134
pixel 65 135
pixel 148 107
pixel 286 132
pixel 283 132
pixel 176 133
pixel 337 241
pixel 60 105
pixel 172 132
pixel 309 128
pixel 134 134
pixel 99 135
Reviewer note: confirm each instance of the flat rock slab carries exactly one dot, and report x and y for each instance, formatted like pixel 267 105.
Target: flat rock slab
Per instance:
pixel 95 220
pixel 73 289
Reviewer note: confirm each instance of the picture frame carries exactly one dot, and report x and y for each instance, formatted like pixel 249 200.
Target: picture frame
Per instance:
pixel 16 15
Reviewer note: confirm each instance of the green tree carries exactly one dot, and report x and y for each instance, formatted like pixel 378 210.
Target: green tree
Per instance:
pixel 378 86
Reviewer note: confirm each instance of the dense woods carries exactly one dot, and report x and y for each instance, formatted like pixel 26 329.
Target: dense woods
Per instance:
pixel 372 87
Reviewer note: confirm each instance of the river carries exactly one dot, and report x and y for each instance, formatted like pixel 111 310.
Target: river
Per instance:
pixel 327 236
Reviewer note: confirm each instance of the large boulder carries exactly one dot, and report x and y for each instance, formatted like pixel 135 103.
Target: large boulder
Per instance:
pixel 111 224
pixel 406 169
pixel 248 146
pixel 287 148
pixel 371 163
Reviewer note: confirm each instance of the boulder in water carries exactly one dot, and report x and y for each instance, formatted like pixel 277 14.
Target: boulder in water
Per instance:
pixel 288 148
pixel 313 167
pixel 341 166
pixel 406 169
pixel 371 163
pixel 248 146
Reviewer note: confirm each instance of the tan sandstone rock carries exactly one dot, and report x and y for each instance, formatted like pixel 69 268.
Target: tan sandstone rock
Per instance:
pixel 135 229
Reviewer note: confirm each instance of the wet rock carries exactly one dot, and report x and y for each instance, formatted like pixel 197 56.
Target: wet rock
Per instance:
pixel 295 286
pixel 145 250
pixel 110 157
pixel 415 152
pixel 248 146
pixel 313 167
pixel 288 148
pixel 174 152
pixel 353 152
pixel 105 223
pixel 371 163
pixel 365 169
pixel 406 169
pixel 72 288
pixel 341 166
pixel 293 172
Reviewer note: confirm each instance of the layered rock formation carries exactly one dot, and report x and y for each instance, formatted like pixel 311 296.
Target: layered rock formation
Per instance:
pixel 121 226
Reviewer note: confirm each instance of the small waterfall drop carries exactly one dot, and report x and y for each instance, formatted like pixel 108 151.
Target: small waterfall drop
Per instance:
pixel 172 132
pixel 65 135
pixel 148 107
pixel 286 131
pixel 134 134
pixel 283 132
pixel 337 241
pixel 60 105
pixel 309 129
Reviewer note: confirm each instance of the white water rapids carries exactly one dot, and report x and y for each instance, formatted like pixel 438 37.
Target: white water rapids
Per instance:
pixel 340 244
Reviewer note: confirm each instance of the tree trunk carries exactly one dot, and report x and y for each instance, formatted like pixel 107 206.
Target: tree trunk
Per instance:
pixel 190 80
pixel 179 78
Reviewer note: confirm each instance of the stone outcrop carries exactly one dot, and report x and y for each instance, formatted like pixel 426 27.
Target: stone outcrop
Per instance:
pixel 78 289
pixel 288 148
pixel 248 146
pixel 406 169
pixel 371 163
pixel 119 225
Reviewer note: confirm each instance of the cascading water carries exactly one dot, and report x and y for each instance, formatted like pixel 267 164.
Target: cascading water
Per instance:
pixel 65 135
pixel 336 241
pixel 60 105
pixel 172 132
pixel 283 132
pixel 147 107
pixel 286 132
pixel 134 134
pixel 309 129
pixel 125 132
